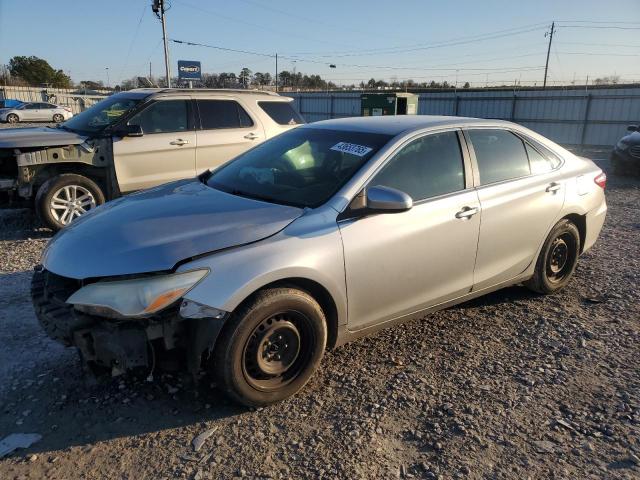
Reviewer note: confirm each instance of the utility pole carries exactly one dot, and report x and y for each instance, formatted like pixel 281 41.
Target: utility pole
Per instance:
pixel 276 72
pixel 546 66
pixel 159 10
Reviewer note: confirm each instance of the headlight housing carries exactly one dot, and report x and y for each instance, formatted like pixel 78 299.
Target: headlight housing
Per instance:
pixel 139 297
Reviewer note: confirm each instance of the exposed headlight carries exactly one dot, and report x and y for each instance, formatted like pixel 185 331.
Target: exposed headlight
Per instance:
pixel 622 145
pixel 137 297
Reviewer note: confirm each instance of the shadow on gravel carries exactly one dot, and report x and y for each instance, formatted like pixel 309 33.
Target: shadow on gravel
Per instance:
pixel 21 224
pixel 505 295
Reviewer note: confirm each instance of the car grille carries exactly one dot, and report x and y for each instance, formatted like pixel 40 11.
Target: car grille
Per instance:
pixel 634 151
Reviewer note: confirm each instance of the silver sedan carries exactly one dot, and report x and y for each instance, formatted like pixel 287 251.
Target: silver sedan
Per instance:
pixel 323 234
pixel 36 112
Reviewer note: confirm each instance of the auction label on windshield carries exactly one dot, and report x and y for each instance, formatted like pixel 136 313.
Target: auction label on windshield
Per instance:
pixel 352 148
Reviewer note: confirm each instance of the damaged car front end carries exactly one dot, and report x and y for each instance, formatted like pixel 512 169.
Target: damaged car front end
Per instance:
pixel 125 324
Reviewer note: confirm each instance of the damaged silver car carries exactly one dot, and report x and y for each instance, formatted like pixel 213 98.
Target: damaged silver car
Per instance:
pixel 134 140
pixel 321 235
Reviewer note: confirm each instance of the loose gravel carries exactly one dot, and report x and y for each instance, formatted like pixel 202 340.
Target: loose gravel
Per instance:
pixel 511 385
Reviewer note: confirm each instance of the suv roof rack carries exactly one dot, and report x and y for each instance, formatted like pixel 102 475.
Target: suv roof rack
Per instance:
pixel 222 90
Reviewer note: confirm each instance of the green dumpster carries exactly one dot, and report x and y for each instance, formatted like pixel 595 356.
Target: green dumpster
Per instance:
pixel 394 103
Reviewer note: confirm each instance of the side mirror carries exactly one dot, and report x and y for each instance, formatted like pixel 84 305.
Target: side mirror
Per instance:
pixel 387 200
pixel 129 131
pixel 633 128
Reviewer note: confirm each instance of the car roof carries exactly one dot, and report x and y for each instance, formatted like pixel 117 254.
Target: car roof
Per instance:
pixel 228 91
pixel 397 124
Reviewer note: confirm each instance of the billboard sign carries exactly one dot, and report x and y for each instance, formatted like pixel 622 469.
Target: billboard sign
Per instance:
pixel 189 70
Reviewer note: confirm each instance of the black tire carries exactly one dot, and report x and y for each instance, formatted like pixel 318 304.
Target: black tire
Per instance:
pixel 12 118
pixel 88 195
pixel 288 326
pixel 58 118
pixel 557 260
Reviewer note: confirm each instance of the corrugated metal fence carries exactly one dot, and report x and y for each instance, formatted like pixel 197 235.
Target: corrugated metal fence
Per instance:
pixel 76 100
pixel 596 117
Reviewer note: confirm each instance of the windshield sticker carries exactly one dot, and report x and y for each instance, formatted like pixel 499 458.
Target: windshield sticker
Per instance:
pixel 351 148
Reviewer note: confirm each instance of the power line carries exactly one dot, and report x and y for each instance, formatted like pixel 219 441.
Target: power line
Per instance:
pixel 448 43
pixel 133 39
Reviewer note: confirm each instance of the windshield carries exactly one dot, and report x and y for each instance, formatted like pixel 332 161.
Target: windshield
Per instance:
pixel 104 113
pixel 303 167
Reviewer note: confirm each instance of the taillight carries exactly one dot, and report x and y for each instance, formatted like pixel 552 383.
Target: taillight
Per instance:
pixel 601 180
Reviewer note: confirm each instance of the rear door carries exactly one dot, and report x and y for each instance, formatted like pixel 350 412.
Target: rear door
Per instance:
pixel 165 151
pixel 520 198
pixel 400 263
pixel 225 130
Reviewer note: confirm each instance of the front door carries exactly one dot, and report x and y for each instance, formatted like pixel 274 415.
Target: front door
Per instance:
pixel 520 200
pixel 31 112
pixel 165 151
pixel 226 131
pixel 400 263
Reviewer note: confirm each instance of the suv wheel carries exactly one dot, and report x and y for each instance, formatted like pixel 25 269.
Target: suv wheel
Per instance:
pixel 557 260
pixel 58 118
pixel 270 347
pixel 12 118
pixel 63 198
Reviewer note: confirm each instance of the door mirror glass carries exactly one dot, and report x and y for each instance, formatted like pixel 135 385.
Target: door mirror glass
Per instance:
pixel 386 199
pixel 130 131
pixel 633 128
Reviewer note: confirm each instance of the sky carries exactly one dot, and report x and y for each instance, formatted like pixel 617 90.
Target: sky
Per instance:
pixel 482 42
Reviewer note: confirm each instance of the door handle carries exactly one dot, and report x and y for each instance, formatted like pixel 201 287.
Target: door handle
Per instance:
pixel 251 136
pixel 467 212
pixel 179 142
pixel 553 187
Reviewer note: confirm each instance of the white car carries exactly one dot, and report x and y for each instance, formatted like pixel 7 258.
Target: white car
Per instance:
pixel 132 141
pixel 36 112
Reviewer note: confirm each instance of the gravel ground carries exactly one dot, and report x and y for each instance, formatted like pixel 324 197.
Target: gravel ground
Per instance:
pixel 512 385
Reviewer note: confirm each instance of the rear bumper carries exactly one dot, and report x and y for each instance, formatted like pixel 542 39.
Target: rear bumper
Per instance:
pixel 594 223
pixel 121 345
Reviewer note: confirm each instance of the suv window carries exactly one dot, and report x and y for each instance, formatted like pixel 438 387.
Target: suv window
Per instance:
pixel 222 114
pixel 282 113
pixel 500 154
pixel 164 116
pixel 427 167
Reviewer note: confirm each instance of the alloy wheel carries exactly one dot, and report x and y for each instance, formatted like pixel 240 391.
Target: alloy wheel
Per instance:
pixel 70 202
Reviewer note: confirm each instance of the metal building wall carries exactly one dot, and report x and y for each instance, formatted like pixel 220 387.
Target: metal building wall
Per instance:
pixel 571 117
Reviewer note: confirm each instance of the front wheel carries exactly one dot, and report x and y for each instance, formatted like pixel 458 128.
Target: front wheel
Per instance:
pixel 63 198
pixel 270 347
pixel 12 118
pixel 557 260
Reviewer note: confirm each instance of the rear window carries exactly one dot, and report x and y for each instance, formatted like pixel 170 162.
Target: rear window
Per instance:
pixel 281 113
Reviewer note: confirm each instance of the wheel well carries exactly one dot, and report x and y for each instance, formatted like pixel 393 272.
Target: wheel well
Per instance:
pixel 580 221
pixel 97 174
pixel 321 295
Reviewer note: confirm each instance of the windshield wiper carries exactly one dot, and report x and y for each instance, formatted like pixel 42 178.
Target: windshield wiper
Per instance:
pixel 254 196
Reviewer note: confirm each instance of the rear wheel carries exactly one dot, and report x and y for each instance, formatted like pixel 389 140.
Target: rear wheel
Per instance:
pixel 270 346
pixel 63 198
pixel 557 260
pixel 12 118
pixel 58 118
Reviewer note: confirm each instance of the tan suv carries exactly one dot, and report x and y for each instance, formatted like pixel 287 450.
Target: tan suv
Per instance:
pixel 135 140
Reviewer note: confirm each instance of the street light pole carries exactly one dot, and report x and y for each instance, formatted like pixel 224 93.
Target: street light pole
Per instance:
pixel 108 82
pixel 159 10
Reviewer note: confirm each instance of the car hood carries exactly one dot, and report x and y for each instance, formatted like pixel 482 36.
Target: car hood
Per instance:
pixel 38 137
pixel 154 230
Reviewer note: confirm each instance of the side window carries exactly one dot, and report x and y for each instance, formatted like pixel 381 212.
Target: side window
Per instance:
pixel 281 112
pixel 31 106
pixel 49 105
pixel 216 114
pixel 500 154
pixel 427 167
pixel 164 116
pixel 538 162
